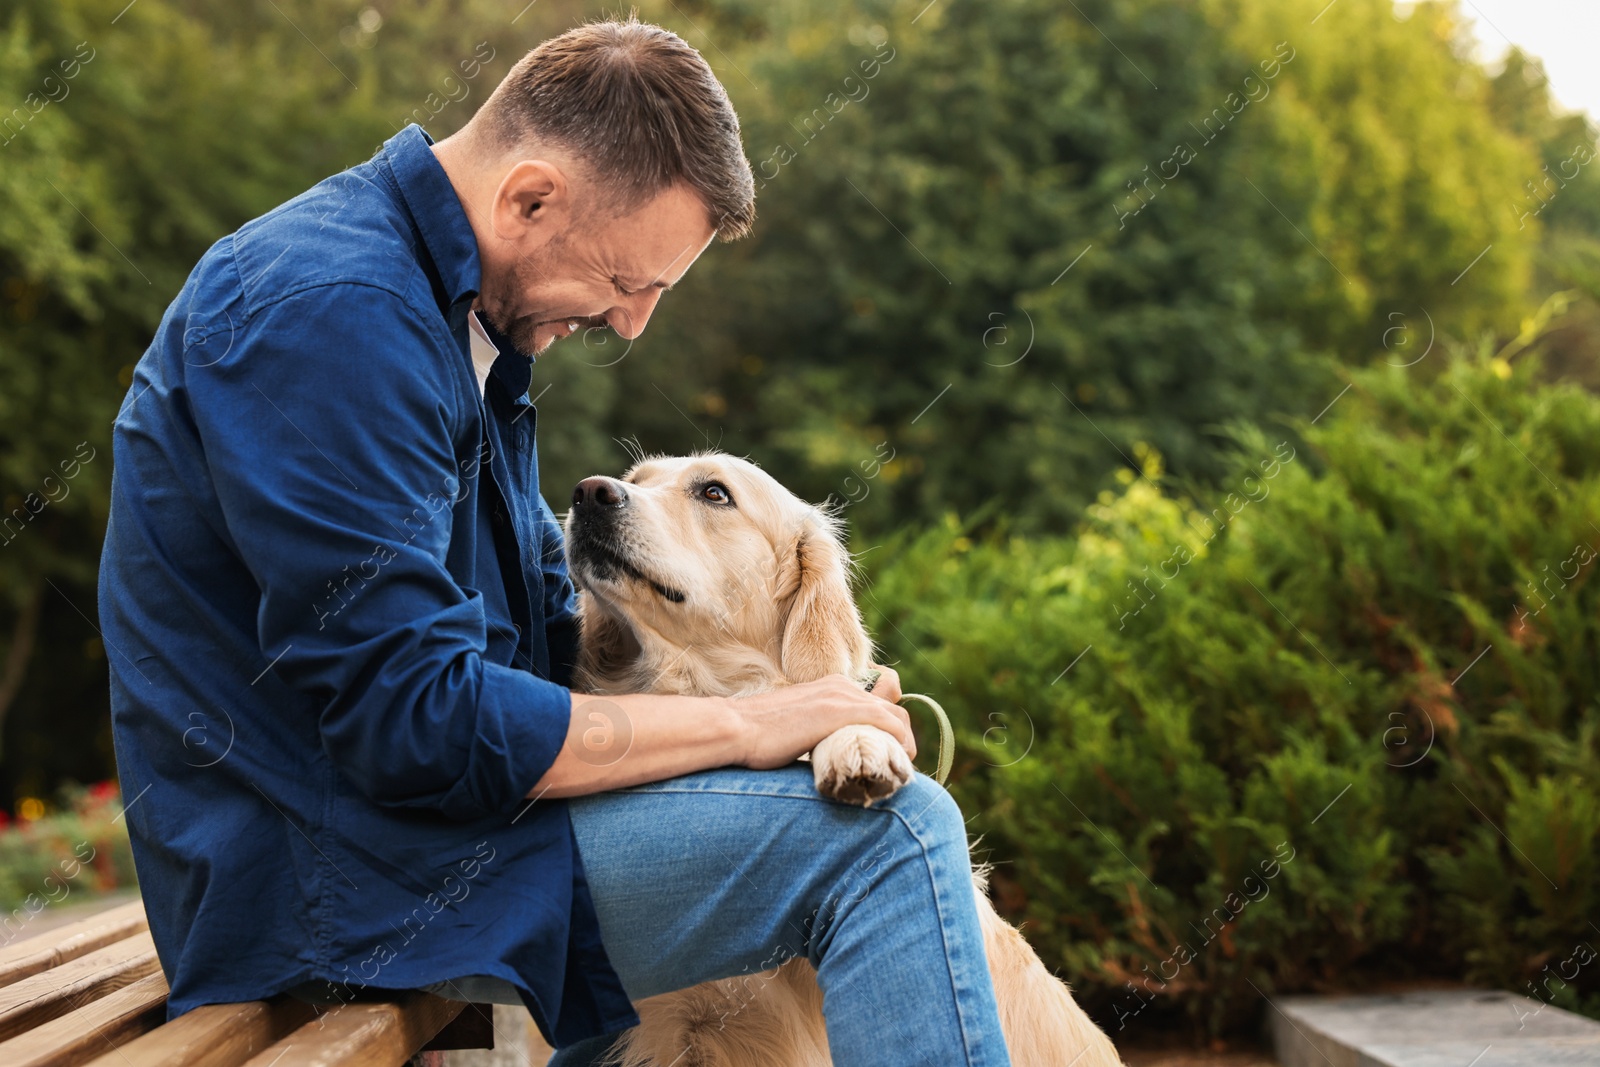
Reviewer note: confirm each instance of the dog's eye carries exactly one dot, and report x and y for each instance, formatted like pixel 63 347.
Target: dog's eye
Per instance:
pixel 716 493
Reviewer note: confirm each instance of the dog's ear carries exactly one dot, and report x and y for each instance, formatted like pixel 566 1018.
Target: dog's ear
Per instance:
pixel 822 632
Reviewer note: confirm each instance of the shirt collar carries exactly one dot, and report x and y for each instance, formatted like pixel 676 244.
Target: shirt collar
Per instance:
pixel 449 241
pixel 437 211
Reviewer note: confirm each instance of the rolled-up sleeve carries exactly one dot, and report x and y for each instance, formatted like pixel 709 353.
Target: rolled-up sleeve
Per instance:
pixel 330 430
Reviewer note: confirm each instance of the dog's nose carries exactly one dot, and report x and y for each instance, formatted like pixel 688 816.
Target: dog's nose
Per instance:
pixel 607 492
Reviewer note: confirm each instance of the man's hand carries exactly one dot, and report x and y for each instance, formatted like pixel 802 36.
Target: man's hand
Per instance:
pixel 888 685
pixel 779 727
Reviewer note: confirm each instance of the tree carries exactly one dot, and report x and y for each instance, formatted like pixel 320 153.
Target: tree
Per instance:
pixel 1253 197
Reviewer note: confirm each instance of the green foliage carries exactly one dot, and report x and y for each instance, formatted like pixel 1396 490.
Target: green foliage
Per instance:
pixel 69 856
pixel 918 240
pixel 1564 199
pixel 1377 655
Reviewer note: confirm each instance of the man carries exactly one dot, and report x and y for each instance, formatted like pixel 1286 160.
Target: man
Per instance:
pixel 342 629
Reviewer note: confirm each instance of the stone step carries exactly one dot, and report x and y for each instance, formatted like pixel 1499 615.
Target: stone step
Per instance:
pixel 1454 1028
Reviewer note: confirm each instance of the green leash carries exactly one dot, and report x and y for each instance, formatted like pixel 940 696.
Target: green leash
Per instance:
pixel 947 735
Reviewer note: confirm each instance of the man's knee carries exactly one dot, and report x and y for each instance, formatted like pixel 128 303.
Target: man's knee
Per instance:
pixel 928 808
pixel 930 813
pixel 915 835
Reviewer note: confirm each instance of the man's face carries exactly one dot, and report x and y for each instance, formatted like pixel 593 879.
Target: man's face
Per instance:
pixel 548 275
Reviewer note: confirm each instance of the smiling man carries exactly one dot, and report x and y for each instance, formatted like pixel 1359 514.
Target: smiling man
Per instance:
pixel 343 633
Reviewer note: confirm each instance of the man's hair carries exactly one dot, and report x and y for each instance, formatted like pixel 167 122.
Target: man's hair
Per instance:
pixel 639 107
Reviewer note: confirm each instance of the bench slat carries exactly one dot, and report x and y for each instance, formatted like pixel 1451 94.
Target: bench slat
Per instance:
pixel 92 995
pixel 216 1035
pixel 36 954
pixel 84 1034
pixel 41 997
pixel 363 1035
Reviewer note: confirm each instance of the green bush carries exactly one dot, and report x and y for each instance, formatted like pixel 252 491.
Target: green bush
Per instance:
pixel 68 856
pixel 1342 719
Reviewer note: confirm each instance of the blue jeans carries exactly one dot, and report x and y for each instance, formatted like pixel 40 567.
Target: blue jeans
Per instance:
pixel 732 871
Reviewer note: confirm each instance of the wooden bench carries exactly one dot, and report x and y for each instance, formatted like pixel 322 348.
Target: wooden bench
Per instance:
pixel 93 993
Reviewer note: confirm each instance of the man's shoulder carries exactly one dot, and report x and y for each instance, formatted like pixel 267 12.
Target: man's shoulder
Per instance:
pixel 347 231
pixel 328 281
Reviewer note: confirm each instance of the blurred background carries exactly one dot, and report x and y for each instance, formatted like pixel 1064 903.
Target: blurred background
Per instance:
pixel 1208 386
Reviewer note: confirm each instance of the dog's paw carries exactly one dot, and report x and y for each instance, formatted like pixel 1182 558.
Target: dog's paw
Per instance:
pixel 860 764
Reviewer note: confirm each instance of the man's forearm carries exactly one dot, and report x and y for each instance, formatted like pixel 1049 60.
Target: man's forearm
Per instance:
pixel 618 741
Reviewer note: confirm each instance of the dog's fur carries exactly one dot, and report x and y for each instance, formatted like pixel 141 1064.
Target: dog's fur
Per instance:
pixel 703 576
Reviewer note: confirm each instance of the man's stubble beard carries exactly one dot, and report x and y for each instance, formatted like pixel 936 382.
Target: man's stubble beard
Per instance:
pixel 501 298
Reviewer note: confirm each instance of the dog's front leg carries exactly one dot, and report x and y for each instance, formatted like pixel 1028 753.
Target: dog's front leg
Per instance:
pixel 860 764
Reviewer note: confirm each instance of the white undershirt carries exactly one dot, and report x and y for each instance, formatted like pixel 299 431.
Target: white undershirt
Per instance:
pixel 484 352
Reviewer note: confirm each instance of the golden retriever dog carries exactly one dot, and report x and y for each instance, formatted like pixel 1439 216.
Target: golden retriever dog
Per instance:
pixel 771 607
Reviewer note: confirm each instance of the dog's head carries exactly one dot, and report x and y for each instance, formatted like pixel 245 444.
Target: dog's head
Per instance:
pixel 708 555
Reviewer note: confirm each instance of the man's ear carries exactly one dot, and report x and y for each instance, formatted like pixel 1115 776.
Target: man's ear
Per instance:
pixel 533 196
pixel 822 632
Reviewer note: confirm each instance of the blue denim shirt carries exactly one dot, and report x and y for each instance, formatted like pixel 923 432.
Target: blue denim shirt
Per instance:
pixel 339 623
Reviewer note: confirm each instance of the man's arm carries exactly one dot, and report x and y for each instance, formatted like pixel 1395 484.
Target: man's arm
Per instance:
pixel 329 431
pixel 617 741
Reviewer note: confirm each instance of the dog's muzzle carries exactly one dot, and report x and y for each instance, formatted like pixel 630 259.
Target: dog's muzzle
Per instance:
pixel 598 506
